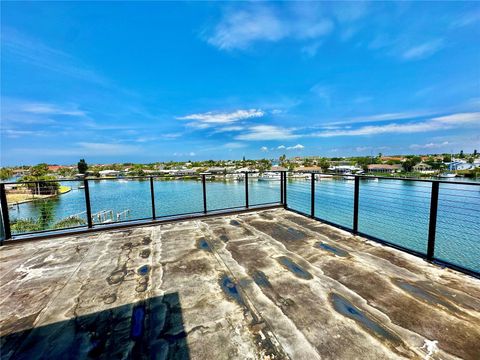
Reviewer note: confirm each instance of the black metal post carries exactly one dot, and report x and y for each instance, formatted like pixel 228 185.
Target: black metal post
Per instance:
pixel 152 194
pixel 5 217
pixel 204 186
pixel 355 204
pixel 285 189
pixel 246 190
pixel 312 197
pixel 432 226
pixel 281 188
pixel 87 203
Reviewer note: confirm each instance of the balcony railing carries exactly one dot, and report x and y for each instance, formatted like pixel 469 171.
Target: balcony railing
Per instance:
pixel 437 220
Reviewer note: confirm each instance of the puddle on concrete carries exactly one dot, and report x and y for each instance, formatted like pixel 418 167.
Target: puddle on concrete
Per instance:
pixel 224 238
pixel 145 253
pixel 231 289
pixel 332 249
pixel 346 308
pixel 137 323
pixel 110 299
pixel 261 279
pixel 143 270
pixel 234 223
pixel 422 294
pixel 296 269
pixel 203 244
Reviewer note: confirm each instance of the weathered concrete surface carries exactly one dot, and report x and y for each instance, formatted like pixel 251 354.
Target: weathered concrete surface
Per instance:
pixel 264 285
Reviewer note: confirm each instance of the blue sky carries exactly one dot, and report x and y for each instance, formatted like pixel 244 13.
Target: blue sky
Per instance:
pixel 153 81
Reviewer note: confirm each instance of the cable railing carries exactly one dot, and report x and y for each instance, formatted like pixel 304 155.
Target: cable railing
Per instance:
pixel 435 219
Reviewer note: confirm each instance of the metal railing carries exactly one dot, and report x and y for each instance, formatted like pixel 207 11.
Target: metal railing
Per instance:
pixel 210 198
pixel 440 203
pixel 423 217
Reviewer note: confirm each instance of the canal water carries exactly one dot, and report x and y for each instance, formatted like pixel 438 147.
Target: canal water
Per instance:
pixel 393 210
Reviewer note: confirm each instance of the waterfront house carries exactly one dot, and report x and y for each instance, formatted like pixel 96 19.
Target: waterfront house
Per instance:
pixel 312 169
pixel 384 168
pixel 216 170
pixel 423 168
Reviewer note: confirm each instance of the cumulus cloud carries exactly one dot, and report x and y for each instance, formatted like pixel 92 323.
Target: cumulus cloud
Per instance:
pixel 296 147
pixel 280 147
pixel 264 149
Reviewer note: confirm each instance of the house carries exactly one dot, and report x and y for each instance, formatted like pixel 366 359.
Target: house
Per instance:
pixel 54 168
pixel 384 168
pixel 310 169
pixel 423 168
pixel 278 168
pixel 342 169
pixel 216 170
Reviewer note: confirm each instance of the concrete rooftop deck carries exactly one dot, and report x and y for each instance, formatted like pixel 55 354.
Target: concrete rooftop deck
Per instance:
pixel 262 285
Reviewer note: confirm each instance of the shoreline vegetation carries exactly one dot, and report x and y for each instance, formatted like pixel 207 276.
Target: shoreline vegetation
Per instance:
pixel 24 197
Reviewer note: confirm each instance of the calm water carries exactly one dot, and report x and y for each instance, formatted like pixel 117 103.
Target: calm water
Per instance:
pixel 392 210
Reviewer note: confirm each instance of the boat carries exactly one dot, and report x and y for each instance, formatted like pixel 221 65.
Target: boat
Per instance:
pixel 447 175
pixel 269 177
pixel 348 176
pixel 323 177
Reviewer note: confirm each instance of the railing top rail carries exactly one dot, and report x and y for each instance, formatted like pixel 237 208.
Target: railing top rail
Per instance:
pixel 146 177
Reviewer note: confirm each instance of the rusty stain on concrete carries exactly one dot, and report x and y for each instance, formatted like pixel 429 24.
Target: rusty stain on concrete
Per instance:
pixel 263 285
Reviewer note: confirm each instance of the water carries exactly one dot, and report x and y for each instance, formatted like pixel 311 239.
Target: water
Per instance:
pixel 392 210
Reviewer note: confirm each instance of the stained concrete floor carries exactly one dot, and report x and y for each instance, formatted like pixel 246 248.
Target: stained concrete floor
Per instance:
pixel 262 285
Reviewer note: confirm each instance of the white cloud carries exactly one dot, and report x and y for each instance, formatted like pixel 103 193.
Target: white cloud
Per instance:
pixel 296 147
pixel 383 117
pixel 205 120
pixel 281 147
pixel 240 28
pixel 434 124
pixel 264 149
pixel 234 145
pixel 50 109
pixel 229 129
pixel 191 153
pixel 430 145
pixel 423 50
pixel 267 132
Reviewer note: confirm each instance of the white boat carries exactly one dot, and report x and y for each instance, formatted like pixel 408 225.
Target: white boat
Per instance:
pixel 348 177
pixel 447 175
pixel 323 177
pixel 269 177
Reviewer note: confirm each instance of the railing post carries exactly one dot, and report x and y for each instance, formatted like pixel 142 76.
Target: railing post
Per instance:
pixel 204 187
pixel 87 203
pixel 312 197
pixel 285 189
pixel 281 188
pixel 355 203
pixel 5 217
pixel 432 225
pixel 246 190
pixel 152 195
